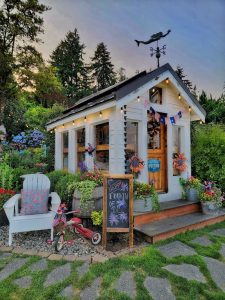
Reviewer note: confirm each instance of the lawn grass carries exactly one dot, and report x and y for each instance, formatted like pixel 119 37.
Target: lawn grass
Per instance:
pixel 145 262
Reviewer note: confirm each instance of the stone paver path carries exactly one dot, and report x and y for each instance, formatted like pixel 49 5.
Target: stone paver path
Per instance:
pixel 5 255
pixel 126 284
pixel 159 288
pixel 12 267
pixel 92 292
pixel 190 272
pixel 68 292
pixel 176 248
pixel 59 274
pixel 219 232
pixel 202 240
pixel 24 282
pixel 217 271
pixel 40 265
pixel 83 269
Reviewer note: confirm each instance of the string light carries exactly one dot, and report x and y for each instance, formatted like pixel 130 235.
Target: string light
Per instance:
pixel 100 114
pixel 121 110
pixel 179 96
pixel 73 123
pixel 51 131
pixel 63 126
pixel 153 90
pixel 190 109
pixel 138 98
pixel 167 80
pixel 85 119
pixel 201 122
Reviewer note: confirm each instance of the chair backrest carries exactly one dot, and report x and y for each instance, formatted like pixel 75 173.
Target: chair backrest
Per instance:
pixel 35 182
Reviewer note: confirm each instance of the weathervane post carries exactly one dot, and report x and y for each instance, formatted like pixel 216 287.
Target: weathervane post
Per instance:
pixel 155 38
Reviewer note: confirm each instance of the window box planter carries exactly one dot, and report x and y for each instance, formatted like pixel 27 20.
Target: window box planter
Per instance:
pixel 95 203
pixel 142 205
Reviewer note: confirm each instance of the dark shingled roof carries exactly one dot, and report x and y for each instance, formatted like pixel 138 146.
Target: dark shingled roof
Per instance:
pixel 121 89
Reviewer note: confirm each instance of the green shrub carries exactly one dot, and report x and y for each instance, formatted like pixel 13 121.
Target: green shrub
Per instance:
pixel 6 176
pixel 55 176
pixel 62 187
pixel 208 153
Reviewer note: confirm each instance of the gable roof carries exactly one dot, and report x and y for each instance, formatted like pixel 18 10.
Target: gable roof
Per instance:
pixel 121 89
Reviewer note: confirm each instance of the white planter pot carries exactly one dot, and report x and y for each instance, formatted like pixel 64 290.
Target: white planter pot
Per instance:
pixel 209 208
pixel 192 195
pixel 142 205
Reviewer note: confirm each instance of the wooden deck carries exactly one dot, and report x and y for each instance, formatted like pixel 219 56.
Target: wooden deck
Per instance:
pixel 174 217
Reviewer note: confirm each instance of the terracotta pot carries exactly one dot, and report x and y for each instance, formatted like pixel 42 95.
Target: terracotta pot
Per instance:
pixel 142 205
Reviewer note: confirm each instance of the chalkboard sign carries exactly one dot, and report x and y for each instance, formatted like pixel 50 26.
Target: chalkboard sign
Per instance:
pixel 118 205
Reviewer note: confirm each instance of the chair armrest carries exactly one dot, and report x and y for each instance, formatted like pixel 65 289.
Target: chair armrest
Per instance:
pixel 55 201
pixel 11 205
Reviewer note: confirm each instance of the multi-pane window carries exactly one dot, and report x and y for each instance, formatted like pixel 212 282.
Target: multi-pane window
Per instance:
pixel 176 131
pixel 102 146
pixel 131 142
pixel 155 95
pixel 80 146
pixel 65 149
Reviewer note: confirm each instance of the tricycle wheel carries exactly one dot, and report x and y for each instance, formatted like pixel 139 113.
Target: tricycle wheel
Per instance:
pixel 96 238
pixel 59 242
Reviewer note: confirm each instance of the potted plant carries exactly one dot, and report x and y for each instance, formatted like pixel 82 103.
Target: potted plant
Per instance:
pixel 145 197
pixel 97 218
pixel 191 186
pixel 211 198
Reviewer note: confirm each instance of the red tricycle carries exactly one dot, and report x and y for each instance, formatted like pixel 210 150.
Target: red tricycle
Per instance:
pixel 75 224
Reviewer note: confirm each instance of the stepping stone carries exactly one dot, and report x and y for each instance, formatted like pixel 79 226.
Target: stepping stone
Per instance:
pixel 176 248
pixel 5 255
pixel 217 271
pixel 12 267
pixel 126 284
pixel 187 271
pixel 39 265
pixel 59 274
pixel 202 240
pixel 91 292
pixel 219 232
pixel 68 292
pixel 83 269
pixel 222 250
pixel 24 282
pixel 159 288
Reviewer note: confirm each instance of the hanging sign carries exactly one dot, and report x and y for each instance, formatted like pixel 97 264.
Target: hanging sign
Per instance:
pixel 118 206
pixel 154 165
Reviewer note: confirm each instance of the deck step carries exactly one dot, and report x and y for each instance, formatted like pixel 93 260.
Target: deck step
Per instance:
pixel 165 228
pixel 167 210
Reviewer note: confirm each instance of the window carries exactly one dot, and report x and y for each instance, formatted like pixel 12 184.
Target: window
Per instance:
pixel 65 150
pixel 155 95
pixel 102 146
pixel 80 146
pixel 154 133
pixel 176 144
pixel 131 141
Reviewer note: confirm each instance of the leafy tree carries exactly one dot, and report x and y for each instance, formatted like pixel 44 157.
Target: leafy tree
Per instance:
pixel 183 77
pixel 71 69
pixel 103 69
pixel 121 75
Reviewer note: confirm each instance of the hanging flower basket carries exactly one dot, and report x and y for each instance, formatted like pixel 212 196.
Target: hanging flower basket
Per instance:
pixel 179 162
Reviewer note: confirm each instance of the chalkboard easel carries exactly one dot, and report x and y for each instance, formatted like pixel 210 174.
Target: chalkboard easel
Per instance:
pixel 117 206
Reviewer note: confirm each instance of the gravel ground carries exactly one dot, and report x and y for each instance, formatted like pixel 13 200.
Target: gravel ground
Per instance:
pixel 37 240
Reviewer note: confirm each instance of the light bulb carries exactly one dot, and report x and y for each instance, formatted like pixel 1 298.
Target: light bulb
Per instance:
pixel 138 99
pixel 167 80
pixel 100 114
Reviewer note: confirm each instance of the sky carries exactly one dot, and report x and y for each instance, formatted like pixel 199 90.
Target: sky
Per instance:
pixel 196 41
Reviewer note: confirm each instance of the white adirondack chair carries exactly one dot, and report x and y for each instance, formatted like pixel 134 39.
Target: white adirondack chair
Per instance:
pixel 23 223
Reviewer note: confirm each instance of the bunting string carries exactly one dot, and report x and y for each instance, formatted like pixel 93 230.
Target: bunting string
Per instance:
pixel 165 120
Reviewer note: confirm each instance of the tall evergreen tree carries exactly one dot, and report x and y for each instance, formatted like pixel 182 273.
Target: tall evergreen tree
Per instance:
pixel 69 61
pixel 121 75
pixel 102 68
pixel 183 77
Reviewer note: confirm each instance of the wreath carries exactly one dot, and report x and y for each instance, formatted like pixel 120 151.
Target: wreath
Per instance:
pixel 136 164
pixel 179 162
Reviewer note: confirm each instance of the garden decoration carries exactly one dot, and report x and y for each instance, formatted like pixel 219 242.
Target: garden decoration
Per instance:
pixel 162 119
pixel 90 158
pixel 73 225
pixel 179 162
pixel 211 198
pixel 145 197
pixel 136 164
